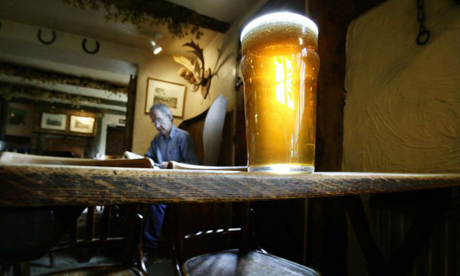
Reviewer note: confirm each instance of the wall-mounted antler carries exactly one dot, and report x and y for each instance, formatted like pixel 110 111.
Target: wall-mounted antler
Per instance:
pixel 194 70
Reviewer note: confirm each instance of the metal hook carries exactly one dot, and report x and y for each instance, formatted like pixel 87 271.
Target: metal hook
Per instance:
pixel 39 35
pixel 423 36
pixel 83 44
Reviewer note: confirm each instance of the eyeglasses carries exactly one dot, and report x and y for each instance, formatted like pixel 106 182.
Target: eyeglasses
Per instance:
pixel 158 121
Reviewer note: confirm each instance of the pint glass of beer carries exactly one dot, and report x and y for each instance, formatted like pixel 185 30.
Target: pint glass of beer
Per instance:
pixel 280 67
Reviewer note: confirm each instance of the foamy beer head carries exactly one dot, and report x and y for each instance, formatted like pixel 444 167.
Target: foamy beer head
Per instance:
pixel 280 67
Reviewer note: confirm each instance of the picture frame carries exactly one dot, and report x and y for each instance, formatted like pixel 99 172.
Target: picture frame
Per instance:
pixel 53 121
pixel 16 116
pixel 169 93
pixel 82 124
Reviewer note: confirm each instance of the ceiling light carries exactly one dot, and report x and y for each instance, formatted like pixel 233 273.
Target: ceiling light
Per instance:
pixel 155 47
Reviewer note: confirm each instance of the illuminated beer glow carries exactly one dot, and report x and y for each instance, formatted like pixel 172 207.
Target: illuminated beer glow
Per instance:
pixel 280 67
pixel 283 81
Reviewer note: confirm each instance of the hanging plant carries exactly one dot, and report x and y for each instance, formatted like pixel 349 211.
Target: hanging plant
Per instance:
pixel 148 17
pixel 49 77
pixel 10 91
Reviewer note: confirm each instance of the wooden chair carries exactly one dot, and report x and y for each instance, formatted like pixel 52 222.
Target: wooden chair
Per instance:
pixel 216 239
pixel 97 233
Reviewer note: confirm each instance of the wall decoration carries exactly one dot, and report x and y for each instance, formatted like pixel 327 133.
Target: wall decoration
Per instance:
pixel 16 116
pixel 54 121
pixel 49 42
pixel 82 124
pixel 168 93
pixel 92 52
pixel 194 70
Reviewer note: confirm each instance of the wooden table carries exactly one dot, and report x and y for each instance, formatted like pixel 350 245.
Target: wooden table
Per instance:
pixel 51 185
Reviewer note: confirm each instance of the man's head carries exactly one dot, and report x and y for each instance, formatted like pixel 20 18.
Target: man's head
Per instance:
pixel 162 118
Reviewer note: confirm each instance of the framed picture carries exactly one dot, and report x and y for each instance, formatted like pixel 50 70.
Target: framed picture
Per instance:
pixel 82 124
pixel 168 93
pixel 16 116
pixel 54 121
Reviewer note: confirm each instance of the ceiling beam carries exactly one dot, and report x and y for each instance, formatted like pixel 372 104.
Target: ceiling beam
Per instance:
pixel 179 14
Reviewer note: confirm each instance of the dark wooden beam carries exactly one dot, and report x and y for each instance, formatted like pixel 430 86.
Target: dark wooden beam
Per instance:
pixel 3 117
pixel 130 106
pixel 179 14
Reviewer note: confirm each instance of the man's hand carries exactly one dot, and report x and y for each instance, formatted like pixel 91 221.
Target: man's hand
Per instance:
pixel 164 165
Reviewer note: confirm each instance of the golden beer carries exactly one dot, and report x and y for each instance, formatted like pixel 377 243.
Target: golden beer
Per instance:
pixel 280 67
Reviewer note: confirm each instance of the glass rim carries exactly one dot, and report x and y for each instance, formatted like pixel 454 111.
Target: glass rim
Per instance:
pixel 271 18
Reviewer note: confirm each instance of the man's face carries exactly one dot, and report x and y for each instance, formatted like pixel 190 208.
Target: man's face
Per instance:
pixel 162 122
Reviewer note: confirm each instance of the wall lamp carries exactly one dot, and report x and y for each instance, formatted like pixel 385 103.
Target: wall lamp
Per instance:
pixel 154 42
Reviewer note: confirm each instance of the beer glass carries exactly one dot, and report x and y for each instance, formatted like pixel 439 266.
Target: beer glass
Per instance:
pixel 280 65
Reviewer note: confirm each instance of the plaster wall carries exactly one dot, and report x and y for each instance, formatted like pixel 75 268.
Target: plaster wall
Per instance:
pixel 402 110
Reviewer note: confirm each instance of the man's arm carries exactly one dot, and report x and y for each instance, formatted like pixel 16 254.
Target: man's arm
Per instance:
pixel 151 153
pixel 188 151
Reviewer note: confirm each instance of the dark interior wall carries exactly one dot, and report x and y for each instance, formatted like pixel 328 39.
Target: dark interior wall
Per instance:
pixel 3 115
pixel 327 237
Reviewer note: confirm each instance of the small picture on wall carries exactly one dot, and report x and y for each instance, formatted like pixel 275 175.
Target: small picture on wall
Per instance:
pixel 170 94
pixel 54 121
pixel 82 124
pixel 16 117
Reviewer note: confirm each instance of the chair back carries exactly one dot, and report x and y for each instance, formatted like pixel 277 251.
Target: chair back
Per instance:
pixel 201 228
pixel 218 239
pixel 98 228
pixel 206 130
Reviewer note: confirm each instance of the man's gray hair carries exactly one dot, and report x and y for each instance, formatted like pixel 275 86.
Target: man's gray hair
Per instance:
pixel 162 108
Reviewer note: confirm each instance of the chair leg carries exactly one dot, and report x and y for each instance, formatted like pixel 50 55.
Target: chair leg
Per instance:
pixel 244 246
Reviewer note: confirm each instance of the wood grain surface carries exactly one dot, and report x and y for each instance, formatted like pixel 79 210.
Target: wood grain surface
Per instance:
pixel 51 185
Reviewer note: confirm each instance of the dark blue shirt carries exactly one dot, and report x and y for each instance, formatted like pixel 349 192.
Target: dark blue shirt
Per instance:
pixel 177 147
